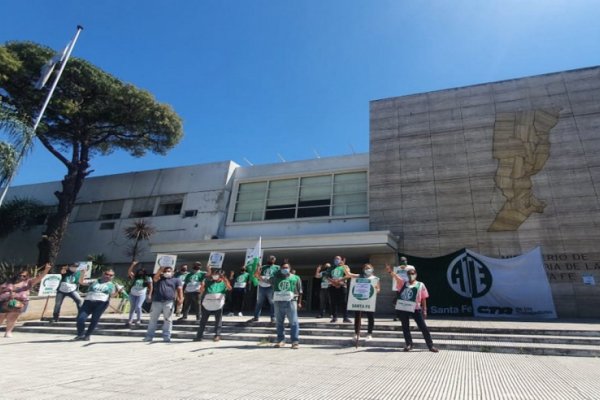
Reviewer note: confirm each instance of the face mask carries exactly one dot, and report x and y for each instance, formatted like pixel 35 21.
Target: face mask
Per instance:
pixel 216 277
pixel 73 269
pixel 285 271
pixel 168 274
pixel 403 262
pixel 412 278
pixel 368 272
pixel 337 262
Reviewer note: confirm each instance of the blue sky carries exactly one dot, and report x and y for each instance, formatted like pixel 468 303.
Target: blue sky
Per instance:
pixel 256 78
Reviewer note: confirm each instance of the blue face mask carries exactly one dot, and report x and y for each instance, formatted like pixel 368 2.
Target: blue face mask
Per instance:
pixel 336 261
pixel 285 271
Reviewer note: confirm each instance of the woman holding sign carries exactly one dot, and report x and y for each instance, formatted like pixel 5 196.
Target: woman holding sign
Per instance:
pixel 14 297
pixel 412 301
pixel 213 292
pixel 140 285
pixel 367 273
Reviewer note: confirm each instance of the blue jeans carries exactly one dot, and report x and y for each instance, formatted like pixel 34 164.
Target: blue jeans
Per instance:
pixel 93 307
pixel 165 308
pixel 136 306
pixel 289 309
pixel 264 293
pixel 60 296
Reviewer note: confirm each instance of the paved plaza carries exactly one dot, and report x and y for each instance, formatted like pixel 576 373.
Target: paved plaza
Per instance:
pixel 46 366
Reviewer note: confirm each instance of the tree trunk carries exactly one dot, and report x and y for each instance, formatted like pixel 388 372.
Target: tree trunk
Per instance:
pixel 49 245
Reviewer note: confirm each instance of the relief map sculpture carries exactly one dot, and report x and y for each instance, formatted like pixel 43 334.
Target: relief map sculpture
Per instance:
pixel 521 146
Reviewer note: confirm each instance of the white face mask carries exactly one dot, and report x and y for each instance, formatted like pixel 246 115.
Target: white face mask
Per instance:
pixel 73 269
pixel 168 274
pixel 216 277
pixel 368 272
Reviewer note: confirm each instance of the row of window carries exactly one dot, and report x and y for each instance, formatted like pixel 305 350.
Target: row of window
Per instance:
pixel 332 195
pixel 141 208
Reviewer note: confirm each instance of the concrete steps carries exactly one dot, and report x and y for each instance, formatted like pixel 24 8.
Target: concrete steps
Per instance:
pixel 535 341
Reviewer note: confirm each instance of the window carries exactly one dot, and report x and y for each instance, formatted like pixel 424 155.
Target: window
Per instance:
pixel 88 212
pixel 143 207
pixel 170 205
pixel 106 226
pixel 111 209
pixel 305 197
pixel 250 204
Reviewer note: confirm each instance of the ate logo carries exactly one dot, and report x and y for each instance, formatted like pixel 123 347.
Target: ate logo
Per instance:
pixel 469 277
pixel 284 286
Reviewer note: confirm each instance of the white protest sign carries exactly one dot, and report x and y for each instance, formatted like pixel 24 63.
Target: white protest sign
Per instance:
pixel 49 285
pixel 362 295
pixel 215 260
pixel 402 274
pixel 250 256
pixel 164 260
pixel 86 267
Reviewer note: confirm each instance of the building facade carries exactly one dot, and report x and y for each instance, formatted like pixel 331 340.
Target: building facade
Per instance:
pixel 498 168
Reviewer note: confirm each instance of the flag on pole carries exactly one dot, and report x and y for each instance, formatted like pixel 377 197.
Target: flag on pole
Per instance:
pixel 48 68
pixel 253 259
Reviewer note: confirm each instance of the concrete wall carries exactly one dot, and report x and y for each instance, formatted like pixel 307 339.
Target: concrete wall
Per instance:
pixel 445 166
pixel 206 187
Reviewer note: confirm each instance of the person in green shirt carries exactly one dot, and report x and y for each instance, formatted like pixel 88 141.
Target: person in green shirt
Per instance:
pixel 191 290
pixel 338 292
pixel 265 291
pixel 69 287
pixel 287 297
pixel 213 290
pixel 240 284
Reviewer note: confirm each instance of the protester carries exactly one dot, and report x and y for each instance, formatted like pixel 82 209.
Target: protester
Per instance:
pixel 167 290
pixel 324 301
pixel 337 289
pixel 141 285
pixel 14 297
pixel 265 290
pixel 240 284
pixel 287 296
pixel 404 264
pixel 68 287
pixel 412 302
pixel 96 302
pixel 367 272
pixel 191 291
pixel 181 274
pixel 213 291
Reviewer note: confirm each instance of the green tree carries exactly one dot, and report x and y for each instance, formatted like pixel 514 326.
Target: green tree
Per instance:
pixel 92 113
pixel 136 232
pixel 20 214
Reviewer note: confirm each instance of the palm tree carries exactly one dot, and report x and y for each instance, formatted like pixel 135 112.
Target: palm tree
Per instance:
pixel 138 231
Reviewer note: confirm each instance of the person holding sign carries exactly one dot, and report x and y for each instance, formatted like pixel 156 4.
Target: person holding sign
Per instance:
pixel 213 292
pixel 412 302
pixel 337 276
pixel 166 291
pixel 14 297
pixel 140 283
pixel 265 290
pixel 68 287
pixel 96 302
pixel 324 301
pixel 191 291
pixel 287 296
pixel 401 270
pixel 240 283
pixel 367 273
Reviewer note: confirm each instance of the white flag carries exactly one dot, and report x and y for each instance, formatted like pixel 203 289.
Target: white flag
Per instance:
pixel 48 68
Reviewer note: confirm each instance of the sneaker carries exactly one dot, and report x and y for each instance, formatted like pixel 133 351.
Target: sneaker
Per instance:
pixel 295 346
pixel 197 339
pixel 369 337
pixel 78 337
pixel 395 318
pixel 167 340
pixel 229 314
pixel 279 344
pixel 53 320
pixel 408 348
pixel 252 320
pixel 86 338
pixel 433 350
pixel 240 314
pixel 347 321
pixel 217 338
pixel 127 324
pixel 138 323
pixel 182 319
pixel 333 320
pixel 147 339
pixel 319 316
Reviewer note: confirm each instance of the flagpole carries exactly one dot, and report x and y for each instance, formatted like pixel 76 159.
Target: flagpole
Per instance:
pixel 41 113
